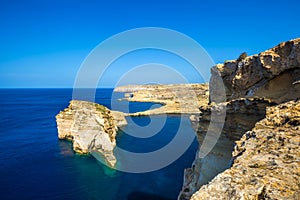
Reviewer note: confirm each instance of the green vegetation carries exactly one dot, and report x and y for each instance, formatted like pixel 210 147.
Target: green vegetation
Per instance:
pixel 100 108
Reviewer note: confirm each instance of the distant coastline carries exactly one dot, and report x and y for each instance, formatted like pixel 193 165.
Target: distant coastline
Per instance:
pixel 175 98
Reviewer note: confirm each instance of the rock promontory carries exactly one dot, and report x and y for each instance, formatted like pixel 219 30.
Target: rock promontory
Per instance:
pixel 91 127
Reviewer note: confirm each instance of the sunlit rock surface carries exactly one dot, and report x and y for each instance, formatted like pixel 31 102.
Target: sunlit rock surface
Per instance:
pixel 266 156
pixel 91 127
pixel 241 116
pixel 266 160
pixel 273 74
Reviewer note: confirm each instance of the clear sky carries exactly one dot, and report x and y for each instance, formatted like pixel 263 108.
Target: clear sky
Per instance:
pixel 43 42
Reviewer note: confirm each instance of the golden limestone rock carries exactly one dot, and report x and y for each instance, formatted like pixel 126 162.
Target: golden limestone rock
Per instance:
pixel 263 119
pixel 91 127
pixel 273 74
pixel 266 160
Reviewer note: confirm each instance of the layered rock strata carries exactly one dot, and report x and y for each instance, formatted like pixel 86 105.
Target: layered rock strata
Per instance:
pixel 91 127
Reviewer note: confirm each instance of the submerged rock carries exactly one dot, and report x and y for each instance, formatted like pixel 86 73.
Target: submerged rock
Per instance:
pixel 91 127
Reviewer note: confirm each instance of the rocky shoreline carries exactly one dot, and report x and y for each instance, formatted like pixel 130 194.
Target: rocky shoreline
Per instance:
pixel 266 154
pixel 262 122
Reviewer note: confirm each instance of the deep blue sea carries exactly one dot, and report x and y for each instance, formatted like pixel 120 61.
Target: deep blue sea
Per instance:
pixel 34 164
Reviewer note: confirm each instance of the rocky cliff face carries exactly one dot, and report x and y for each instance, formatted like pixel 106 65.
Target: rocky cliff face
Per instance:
pixel 91 127
pixel 259 170
pixel 241 116
pixel 266 160
pixel 273 74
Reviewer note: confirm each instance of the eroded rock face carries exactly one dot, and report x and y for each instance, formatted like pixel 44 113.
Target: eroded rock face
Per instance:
pixel 91 127
pixel 266 160
pixel 241 116
pixel 252 83
pixel 273 74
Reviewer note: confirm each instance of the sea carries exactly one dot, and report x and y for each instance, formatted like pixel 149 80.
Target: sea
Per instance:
pixel 35 164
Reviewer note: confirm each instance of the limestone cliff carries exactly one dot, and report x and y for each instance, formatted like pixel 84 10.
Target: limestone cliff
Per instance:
pixel 252 84
pixel 91 127
pixel 241 116
pixel 273 74
pixel 266 160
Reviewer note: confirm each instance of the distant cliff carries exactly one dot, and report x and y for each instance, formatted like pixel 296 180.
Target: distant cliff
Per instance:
pixel 265 161
pixel 91 127
pixel 175 98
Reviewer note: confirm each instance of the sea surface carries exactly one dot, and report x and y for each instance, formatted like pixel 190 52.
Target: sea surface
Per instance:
pixel 34 164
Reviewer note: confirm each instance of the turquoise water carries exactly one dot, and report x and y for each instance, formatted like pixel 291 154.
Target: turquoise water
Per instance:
pixel 34 164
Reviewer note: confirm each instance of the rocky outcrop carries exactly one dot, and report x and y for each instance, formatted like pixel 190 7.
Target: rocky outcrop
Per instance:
pixel 91 127
pixel 273 74
pixel 252 83
pixel 266 160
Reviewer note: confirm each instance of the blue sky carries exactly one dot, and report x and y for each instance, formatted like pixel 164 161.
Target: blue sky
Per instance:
pixel 43 43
